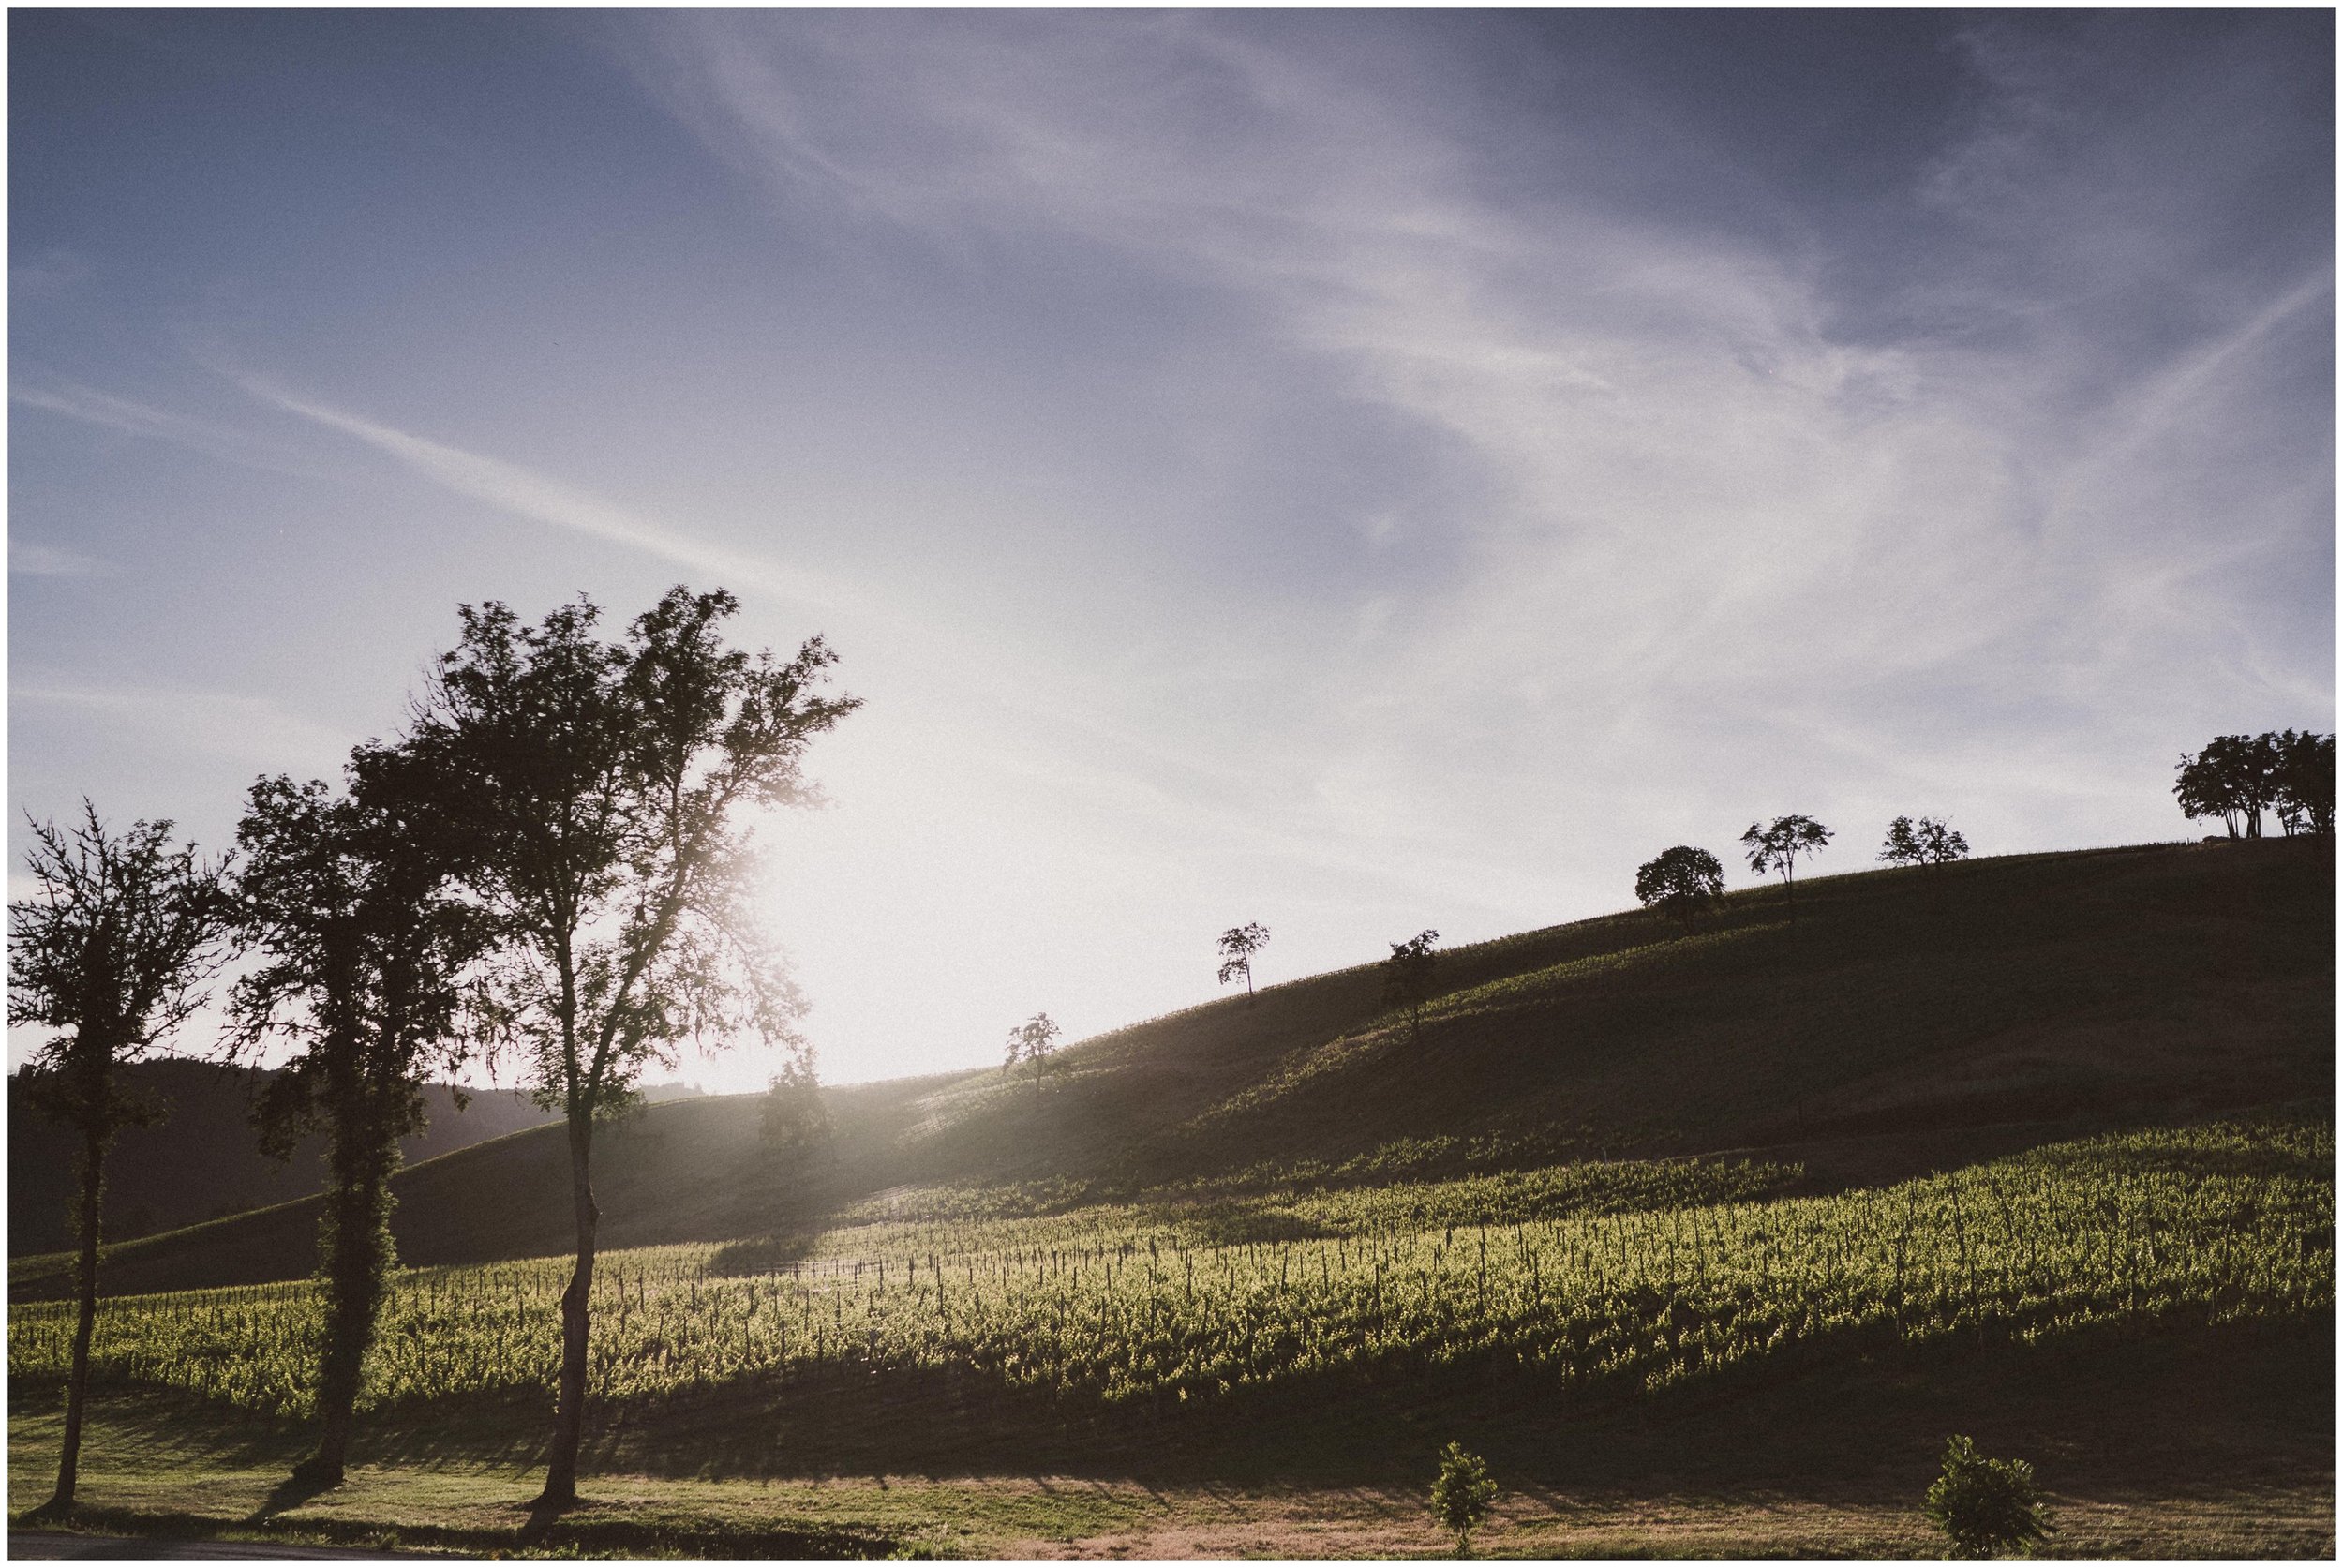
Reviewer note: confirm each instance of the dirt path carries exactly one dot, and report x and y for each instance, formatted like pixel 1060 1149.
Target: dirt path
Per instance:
pixel 2284 1523
pixel 52 1544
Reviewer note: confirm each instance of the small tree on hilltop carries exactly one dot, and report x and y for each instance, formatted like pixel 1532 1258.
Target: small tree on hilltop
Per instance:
pixel 1778 844
pixel 1682 883
pixel 1929 842
pixel 120 930
pixel 793 1120
pixel 1237 947
pixel 1408 975
pixel 1032 1045
pixel 2306 782
pixel 2234 778
pixel 1462 1494
pixel 1986 1507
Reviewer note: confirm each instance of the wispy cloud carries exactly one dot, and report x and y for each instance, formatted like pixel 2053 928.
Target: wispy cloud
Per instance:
pixel 1715 529
pixel 30 560
pixel 213 440
pixel 524 493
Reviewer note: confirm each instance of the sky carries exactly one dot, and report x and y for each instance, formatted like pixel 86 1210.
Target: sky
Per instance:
pixel 1360 472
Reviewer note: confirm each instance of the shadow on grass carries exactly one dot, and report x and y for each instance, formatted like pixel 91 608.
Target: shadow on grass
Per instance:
pixel 1841 1419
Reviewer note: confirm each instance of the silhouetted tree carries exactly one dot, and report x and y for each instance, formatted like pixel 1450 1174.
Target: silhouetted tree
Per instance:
pixel 1778 844
pixel 1238 944
pixel 1032 1045
pixel 1408 975
pixel 598 791
pixel 1682 882
pixel 109 951
pixel 347 903
pixel 2306 782
pixel 2234 778
pixel 794 1120
pixel 1929 842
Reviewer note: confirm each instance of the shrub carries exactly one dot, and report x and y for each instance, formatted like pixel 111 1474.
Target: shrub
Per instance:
pixel 1986 1506
pixel 1461 1496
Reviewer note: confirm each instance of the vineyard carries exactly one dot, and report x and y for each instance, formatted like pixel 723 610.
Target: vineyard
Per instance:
pixel 1582 1282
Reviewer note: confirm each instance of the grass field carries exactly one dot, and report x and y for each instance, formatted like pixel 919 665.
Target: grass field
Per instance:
pixel 1707 1242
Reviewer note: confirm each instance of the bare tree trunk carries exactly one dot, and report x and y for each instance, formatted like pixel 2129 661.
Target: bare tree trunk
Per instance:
pixel 569 1420
pixel 85 1280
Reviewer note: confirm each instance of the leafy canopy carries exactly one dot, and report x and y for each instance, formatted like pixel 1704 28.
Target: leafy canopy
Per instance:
pixel 1929 842
pixel 1682 882
pixel 111 950
pixel 1986 1507
pixel 599 793
pixel 1031 1045
pixel 1462 1493
pixel 1238 944
pixel 2238 777
pixel 1408 972
pixel 365 949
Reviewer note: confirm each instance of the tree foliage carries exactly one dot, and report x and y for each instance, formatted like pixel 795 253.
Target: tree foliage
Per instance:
pixel 2306 782
pixel 1777 845
pixel 1682 883
pixel 2238 777
pixel 363 954
pixel 794 1122
pixel 598 792
pixel 1408 974
pixel 110 951
pixel 1929 842
pixel 1032 1046
pixel 1986 1507
pixel 1461 1494
pixel 1238 944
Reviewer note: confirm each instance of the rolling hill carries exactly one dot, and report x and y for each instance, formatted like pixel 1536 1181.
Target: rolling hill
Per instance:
pixel 1903 1021
pixel 199 1160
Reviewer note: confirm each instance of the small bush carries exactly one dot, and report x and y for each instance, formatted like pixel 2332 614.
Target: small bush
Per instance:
pixel 1986 1506
pixel 1461 1496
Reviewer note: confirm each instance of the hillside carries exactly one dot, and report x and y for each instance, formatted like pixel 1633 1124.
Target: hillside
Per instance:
pixel 200 1161
pixel 1905 1021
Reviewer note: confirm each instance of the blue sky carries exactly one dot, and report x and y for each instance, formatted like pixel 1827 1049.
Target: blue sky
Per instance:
pixel 1353 471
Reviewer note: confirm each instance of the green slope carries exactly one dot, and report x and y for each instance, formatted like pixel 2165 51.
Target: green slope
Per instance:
pixel 1906 1020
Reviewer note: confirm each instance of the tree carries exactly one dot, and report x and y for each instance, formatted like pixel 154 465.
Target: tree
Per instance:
pixel 794 1121
pixel 348 902
pixel 1985 1506
pixel 1238 944
pixel 2306 782
pixel 1930 841
pixel 1682 882
pixel 1777 845
pixel 109 950
pixel 1462 1494
pixel 1408 975
pixel 596 793
pixel 1032 1045
pixel 2234 778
